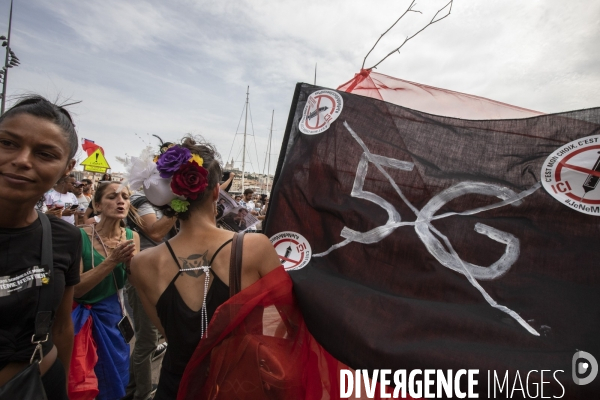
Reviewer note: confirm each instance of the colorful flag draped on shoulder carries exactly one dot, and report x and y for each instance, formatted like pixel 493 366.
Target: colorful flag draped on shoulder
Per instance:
pixel 416 241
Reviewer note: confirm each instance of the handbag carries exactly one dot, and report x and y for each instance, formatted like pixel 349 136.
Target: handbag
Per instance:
pixel 27 384
pixel 251 365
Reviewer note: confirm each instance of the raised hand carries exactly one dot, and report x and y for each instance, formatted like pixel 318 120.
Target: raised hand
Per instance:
pixel 122 253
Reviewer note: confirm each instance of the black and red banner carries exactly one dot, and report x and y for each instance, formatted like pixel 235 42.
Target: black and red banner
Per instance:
pixel 432 243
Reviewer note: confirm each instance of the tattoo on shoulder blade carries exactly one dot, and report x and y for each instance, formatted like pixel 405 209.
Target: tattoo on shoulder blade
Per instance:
pixel 194 261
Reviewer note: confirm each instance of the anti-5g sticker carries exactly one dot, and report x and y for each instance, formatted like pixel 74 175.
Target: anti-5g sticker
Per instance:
pixel 24 279
pixel 321 109
pixel 571 175
pixel 293 249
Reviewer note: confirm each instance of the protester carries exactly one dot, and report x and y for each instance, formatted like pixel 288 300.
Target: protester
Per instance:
pixel 250 205
pixel 87 189
pixel 153 230
pixel 247 200
pixel 77 190
pixel 169 278
pixel 222 341
pixel 82 200
pixel 37 145
pixel 61 199
pixel 107 250
pixel 237 198
pixel 262 213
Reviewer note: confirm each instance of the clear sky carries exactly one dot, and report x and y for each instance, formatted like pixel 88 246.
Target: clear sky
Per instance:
pixel 182 66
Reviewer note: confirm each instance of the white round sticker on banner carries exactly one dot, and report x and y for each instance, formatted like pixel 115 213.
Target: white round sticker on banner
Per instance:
pixel 321 109
pixel 293 249
pixel 571 175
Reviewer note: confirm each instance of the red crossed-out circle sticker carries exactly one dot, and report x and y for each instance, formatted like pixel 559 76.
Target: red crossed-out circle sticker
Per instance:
pixel 293 249
pixel 321 109
pixel 571 175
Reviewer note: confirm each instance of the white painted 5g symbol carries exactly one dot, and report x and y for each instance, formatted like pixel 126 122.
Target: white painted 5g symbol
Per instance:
pixel 427 232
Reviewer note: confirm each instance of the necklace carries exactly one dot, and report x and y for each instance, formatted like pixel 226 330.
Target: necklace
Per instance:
pixel 107 239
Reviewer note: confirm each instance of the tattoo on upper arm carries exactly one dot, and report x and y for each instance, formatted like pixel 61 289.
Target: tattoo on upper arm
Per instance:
pixel 194 261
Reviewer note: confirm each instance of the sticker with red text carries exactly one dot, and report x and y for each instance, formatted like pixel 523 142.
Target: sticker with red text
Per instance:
pixel 321 109
pixel 571 174
pixel 293 249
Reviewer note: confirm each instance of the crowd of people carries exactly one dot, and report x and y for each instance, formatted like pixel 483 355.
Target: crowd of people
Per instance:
pixel 112 249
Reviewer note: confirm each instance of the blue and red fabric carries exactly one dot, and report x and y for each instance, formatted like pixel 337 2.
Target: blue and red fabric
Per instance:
pixel 100 360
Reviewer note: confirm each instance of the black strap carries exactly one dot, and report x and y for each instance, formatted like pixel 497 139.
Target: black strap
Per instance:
pixel 218 250
pixel 173 254
pixel 132 224
pixel 43 318
pixel 235 264
pixel 139 201
pixel 211 260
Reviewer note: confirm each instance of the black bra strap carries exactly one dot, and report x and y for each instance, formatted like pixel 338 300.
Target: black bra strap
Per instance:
pixel 211 260
pixel 218 250
pixel 173 254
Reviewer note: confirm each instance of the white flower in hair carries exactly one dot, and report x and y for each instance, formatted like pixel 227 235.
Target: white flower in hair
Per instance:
pixel 159 193
pixel 142 171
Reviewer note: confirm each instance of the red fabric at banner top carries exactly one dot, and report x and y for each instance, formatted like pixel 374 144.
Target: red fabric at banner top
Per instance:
pixel 431 99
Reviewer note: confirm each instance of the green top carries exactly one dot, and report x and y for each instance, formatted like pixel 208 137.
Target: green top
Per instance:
pixel 106 287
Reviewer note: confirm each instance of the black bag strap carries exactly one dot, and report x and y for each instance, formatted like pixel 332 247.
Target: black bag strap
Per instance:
pixel 139 201
pixel 135 227
pixel 235 264
pixel 43 318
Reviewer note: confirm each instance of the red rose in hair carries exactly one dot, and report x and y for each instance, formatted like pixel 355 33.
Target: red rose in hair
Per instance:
pixel 189 181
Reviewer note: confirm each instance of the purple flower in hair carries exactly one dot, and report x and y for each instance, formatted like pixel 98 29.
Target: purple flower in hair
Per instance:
pixel 170 161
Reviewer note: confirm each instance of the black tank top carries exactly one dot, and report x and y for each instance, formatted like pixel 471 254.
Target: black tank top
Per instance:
pixel 182 327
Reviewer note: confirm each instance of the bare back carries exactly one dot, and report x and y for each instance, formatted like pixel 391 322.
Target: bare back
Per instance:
pixel 154 269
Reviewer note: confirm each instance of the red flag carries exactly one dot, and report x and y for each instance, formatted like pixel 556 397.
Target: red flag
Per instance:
pixel 89 147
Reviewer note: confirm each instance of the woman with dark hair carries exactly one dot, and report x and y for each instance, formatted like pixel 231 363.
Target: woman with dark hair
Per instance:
pixel 106 178
pixel 256 345
pixel 37 145
pixel 107 250
pixel 173 280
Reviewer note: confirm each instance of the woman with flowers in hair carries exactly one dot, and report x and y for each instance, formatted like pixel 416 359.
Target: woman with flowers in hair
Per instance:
pixel 222 299
pixel 183 281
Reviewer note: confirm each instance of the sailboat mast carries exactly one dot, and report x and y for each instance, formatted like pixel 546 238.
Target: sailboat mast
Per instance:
pixel 269 150
pixel 244 149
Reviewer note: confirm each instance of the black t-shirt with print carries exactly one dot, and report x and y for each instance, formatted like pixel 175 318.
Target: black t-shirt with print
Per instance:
pixel 21 277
